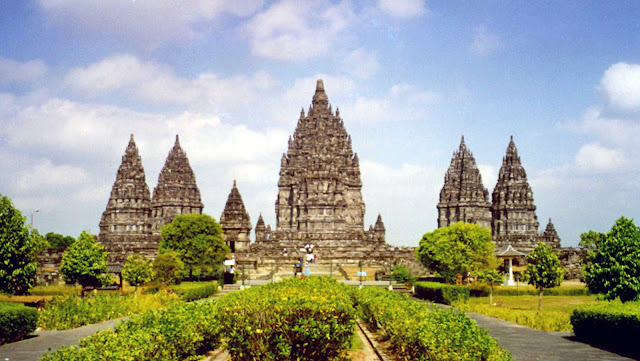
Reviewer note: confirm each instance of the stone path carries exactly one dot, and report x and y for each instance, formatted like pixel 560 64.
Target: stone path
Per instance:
pixel 32 349
pixel 526 344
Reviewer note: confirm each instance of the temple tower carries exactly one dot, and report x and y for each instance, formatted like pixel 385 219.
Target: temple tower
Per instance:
pixel 377 232
pixel 125 227
pixel 235 222
pixel 463 197
pixel 176 192
pixel 514 219
pixel 550 236
pixel 319 191
pixel 261 230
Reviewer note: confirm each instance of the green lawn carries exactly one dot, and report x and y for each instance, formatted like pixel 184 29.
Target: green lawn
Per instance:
pixel 523 310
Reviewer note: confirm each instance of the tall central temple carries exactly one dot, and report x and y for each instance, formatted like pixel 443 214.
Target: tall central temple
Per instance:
pixel 319 192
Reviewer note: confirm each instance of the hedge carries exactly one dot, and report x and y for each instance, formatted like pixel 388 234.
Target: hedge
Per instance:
pixel 180 332
pixel 295 319
pixel 441 293
pixel 16 322
pixel 419 331
pixel 191 291
pixel 611 324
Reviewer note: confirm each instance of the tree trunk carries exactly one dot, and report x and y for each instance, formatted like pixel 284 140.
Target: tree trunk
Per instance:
pixel 491 295
pixel 540 300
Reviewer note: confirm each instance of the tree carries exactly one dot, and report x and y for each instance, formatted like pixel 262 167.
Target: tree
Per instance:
pixel 18 251
pixel 613 267
pixel 544 269
pixel 137 271
pixel 457 249
pixel 198 240
pixel 84 262
pixel 491 277
pixel 59 241
pixel 168 267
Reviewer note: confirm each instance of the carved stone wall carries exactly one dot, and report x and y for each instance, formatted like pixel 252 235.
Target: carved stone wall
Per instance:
pixel 176 192
pixel 463 197
pixel 235 222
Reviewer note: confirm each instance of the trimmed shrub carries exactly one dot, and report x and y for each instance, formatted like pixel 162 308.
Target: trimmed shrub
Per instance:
pixel 441 293
pixel 180 332
pixel 540 320
pixel 294 319
pixel 547 292
pixel 16 322
pixel 419 331
pixel 611 324
pixel 191 291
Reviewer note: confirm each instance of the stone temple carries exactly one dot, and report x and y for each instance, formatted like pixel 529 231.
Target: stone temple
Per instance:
pixel 235 222
pixel 319 198
pixel 132 220
pixel 511 215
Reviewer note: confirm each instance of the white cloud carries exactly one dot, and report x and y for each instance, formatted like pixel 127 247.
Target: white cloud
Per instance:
pixel 143 23
pixel 14 72
pixel 621 86
pixel 46 176
pixel 361 64
pixel 156 83
pixel 403 8
pixel 291 30
pixel 484 42
pixel 594 157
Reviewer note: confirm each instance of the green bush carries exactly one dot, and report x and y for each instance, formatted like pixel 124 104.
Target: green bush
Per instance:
pixel 402 274
pixel 180 332
pixel 191 291
pixel 418 331
pixel 295 319
pixel 16 322
pixel 610 324
pixel 539 320
pixel 62 313
pixel 441 293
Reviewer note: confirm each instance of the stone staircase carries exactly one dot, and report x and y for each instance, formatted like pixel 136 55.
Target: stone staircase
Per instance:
pixel 401 288
pixel 228 289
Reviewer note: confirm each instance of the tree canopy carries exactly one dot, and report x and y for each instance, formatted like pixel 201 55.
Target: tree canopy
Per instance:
pixel 18 250
pixel 168 267
pixel 59 241
pixel 544 269
pixel 84 261
pixel 613 267
pixel 457 249
pixel 198 240
pixel 137 271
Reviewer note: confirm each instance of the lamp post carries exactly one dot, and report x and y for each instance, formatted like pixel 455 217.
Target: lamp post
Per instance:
pixel 31 225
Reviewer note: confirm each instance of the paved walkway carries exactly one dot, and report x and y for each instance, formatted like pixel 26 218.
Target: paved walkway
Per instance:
pixel 526 344
pixel 32 349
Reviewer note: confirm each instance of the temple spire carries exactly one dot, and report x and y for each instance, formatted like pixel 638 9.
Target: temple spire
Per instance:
pixel 235 221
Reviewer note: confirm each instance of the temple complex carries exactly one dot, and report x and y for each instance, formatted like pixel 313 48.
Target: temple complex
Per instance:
pixel 125 226
pixel 463 197
pixel 176 192
pixel 235 222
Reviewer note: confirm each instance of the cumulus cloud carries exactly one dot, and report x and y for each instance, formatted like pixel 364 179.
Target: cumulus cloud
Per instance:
pixel 621 86
pixel 46 176
pixel 402 102
pixel 15 72
pixel 484 42
pixel 594 157
pixel 156 83
pixel 291 30
pixel 143 23
pixel 403 8
pixel 361 64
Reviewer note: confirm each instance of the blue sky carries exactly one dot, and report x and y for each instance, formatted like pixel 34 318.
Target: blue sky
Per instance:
pixel 410 77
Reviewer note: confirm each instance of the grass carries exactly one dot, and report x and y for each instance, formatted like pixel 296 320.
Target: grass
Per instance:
pixel 555 314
